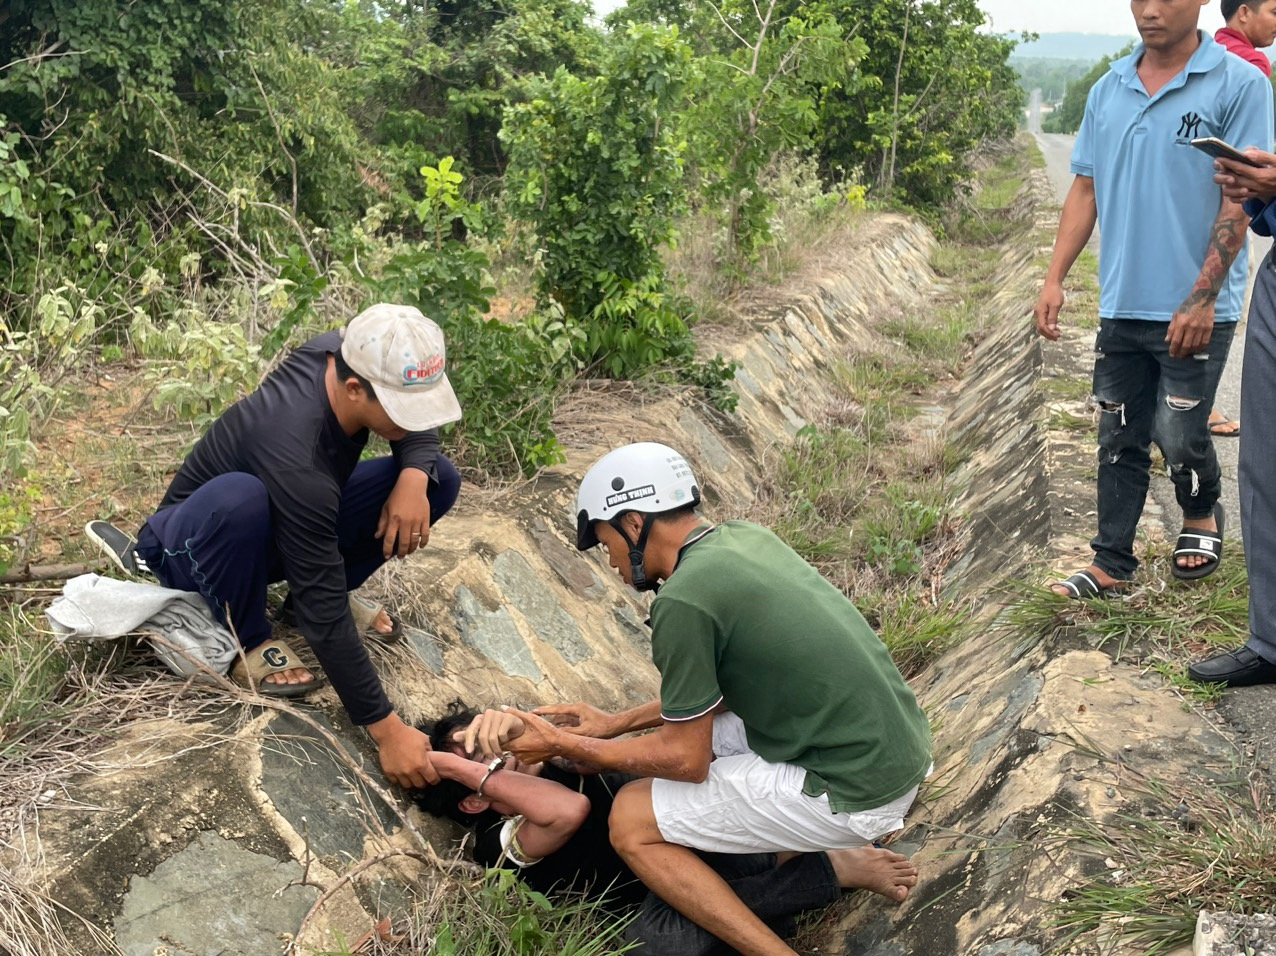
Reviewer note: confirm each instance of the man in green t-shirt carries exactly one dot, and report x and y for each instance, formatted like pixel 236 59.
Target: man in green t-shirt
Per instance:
pixel 782 724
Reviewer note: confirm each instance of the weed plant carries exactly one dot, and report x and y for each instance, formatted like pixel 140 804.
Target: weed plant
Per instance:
pixel 1173 618
pixel 1183 853
pixel 501 916
pixel 32 667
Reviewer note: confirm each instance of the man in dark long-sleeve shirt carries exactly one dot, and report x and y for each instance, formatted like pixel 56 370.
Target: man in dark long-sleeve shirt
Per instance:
pixel 275 490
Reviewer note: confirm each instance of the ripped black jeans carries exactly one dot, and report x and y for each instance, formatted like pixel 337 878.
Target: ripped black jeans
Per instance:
pixel 1144 395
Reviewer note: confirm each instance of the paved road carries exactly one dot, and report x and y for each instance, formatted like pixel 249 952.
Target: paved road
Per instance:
pixel 1057 149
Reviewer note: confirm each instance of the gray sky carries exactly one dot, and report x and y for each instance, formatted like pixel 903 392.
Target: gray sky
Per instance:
pixel 1075 16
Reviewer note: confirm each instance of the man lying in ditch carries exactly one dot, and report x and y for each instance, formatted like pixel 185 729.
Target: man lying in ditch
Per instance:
pixel 831 744
pixel 548 822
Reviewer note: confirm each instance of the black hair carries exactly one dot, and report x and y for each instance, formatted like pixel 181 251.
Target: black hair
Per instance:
pixel 677 514
pixel 345 373
pixel 444 798
pixel 1229 8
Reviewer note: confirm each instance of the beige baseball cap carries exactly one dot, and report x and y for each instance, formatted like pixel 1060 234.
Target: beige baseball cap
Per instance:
pixel 401 352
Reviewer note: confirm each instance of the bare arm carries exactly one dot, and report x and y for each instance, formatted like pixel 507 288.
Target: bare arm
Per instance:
pixel 551 812
pixel 1193 324
pixel 589 721
pixel 1076 225
pixel 680 750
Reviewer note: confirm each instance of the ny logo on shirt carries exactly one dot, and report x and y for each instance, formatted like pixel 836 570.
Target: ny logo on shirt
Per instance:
pixel 1189 125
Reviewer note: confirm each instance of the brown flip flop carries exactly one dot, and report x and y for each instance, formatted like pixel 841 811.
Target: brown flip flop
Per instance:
pixel 273 657
pixel 365 612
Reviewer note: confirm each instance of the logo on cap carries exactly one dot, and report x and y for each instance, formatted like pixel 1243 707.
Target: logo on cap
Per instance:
pixel 633 494
pixel 425 372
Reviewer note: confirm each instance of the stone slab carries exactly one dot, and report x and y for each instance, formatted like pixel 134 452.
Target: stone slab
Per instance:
pixel 1010 947
pixel 524 589
pixel 427 647
pixel 315 793
pixel 569 567
pixel 632 626
pixel 494 635
pixel 715 454
pixel 214 898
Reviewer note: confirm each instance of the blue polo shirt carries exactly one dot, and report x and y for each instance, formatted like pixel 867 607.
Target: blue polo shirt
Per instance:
pixel 1156 195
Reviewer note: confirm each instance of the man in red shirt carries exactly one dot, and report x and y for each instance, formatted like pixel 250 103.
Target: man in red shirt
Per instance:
pixel 1250 24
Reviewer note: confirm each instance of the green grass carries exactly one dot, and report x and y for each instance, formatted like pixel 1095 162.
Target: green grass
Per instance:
pixel 1185 851
pixel 941 337
pixel 1176 619
pixel 1085 272
pixel 502 916
pixel 975 264
pixel 32 669
pixel 823 479
pixel 1065 389
pixel 915 631
pixel 1063 420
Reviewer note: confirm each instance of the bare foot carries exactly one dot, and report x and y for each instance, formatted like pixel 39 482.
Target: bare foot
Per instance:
pixel 871 868
pixel 1105 581
pixel 294 675
pixel 1201 524
pixel 1223 426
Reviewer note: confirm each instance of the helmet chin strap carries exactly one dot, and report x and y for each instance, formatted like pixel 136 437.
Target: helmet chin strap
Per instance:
pixel 637 569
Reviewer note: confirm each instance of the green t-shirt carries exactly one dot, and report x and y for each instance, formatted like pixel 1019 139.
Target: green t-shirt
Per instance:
pixel 745 621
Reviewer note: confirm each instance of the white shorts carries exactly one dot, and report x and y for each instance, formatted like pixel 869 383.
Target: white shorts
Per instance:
pixel 750 806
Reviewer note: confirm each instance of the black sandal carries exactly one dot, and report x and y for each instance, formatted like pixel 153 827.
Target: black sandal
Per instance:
pixel 1207 544
pixel 1085 586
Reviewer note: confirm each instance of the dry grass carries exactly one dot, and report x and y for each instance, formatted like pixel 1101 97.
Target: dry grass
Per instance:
pixel 31 923
pixel 1182 851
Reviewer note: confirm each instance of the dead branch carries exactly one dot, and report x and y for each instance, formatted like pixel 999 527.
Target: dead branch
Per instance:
pixel 254 203
pixel 46 572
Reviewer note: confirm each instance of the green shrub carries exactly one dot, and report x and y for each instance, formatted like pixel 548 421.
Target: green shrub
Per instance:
pixel 596 167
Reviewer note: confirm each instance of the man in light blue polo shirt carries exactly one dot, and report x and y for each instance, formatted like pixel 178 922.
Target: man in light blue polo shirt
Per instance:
pixel 1171 272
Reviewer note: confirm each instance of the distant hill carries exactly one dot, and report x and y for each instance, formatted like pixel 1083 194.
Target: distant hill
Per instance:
pixel 1072 46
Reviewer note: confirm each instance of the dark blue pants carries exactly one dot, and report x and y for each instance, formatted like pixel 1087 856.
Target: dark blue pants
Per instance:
pixel 219 542
pixel 776 895
pixel 1144 395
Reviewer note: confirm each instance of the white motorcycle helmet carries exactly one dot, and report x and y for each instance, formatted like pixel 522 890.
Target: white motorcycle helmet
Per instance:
pixel 647 477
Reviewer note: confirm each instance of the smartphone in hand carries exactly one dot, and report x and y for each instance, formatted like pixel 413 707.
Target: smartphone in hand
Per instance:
pixel 1220 150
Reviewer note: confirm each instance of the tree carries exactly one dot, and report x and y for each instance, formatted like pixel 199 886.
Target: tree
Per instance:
pixel 756 98
pixel 437 78
pixel 597 167
pixel 1067 118
pixel 126 119
pixel 1049 75
pixel 932 89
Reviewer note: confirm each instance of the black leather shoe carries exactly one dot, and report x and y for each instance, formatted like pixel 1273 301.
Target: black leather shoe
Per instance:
pixel 1238 668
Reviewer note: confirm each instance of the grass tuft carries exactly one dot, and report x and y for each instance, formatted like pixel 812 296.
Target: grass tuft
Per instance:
pixel 32 673
pixel 1185 852
pixel 942 339
pixel 1063 420
pixel 500 915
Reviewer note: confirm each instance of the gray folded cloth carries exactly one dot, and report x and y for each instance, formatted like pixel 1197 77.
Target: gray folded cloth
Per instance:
pixel 97 608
